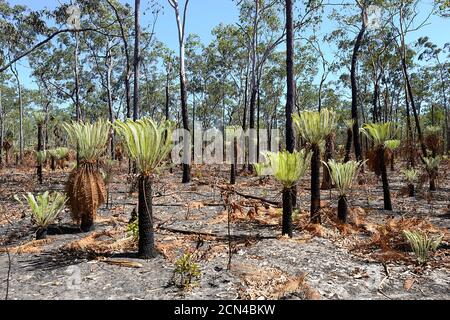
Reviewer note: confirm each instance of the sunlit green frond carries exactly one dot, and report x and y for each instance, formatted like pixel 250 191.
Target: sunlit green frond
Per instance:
pixel 432 163
pixel 262 169
pixel 288 167
pixel 148 143
pixel 45 207
pixel 392 144
pixel 90 139
pixel 349 123
pixel 314 126
pixel 39 117
pixel 411 175
pixel 422 244
pixel 41 156
pixel 379 133
pixel 433 130
pixel 343 174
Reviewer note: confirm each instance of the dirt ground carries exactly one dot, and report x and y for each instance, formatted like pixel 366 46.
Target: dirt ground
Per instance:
pixel 367 259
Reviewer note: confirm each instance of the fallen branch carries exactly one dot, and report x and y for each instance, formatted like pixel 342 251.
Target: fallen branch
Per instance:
pixel 217 237
pixel 248 196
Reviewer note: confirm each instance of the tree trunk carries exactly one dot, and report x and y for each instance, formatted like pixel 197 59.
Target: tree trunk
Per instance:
pixel 315 185
pixel 411 191
pixel 356 139
pixel 234 164
pixel 327 184
pixel 2 130
pixel 287 212
pixel 167 104
pixel 342 209
pixel 137 58
pixel 109 65
pixel 348 145
pixel 146 242
pixel 384 179
pixel 39 149
pixel 76 72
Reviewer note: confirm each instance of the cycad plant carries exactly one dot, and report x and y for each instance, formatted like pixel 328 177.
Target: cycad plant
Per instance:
pixel 313 127
pixel 432 166
pixel 40 117
pixel 343 175
pixel 85 187
pixel 381 134
pixel 45 208
pixel 433 140
pixel 58 155
pixel 411 176
pixel 288 168
pixel 422 244
pixel 391 146
pixel 148 143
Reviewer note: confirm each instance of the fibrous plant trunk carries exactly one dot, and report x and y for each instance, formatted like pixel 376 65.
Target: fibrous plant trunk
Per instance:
pixel 287 212
pixel 315 184
pixel 41 233
pixel 411 191
pixel 433 175
pixel 233 172
pixel 327 183
pixel 384 179
pixel 342 209
pixel 146 244
pixel 86 192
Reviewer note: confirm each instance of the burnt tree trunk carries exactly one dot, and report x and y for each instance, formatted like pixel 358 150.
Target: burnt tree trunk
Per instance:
pixel 315 185
pixel 354 84
pixel 384 180
pixel 39 149
pixel 348 145
pixel 146 244
pixel 327 183
pixel 287 212
pixel 137 58
pixel 342 209
pixel 233 172
pixel 290 94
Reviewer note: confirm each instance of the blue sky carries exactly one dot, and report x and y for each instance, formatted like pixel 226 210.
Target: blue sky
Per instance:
pixel 204 15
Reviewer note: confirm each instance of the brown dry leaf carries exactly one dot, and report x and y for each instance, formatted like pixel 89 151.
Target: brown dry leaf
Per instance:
pixel 315 229
pixel 35 246
pixel 408 283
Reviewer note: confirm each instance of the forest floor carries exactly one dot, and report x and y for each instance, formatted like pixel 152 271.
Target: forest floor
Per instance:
pixel 366 259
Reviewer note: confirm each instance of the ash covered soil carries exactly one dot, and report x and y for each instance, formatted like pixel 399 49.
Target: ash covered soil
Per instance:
pixel 366 259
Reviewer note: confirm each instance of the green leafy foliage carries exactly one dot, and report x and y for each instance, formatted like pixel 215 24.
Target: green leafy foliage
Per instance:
pixel 288 167
pixel 148 142
pixel 392 144
pixel 133 229
pixel 343 174
pixel 89 138
pixel 411 175
pixel 431 163
pixel 422 244
pixel 315 126
pixel 186 270
pixel 41 156
pixel 59 153
pixel 45 207
pixel 380 133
